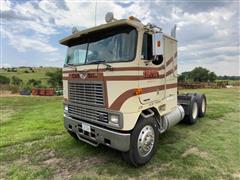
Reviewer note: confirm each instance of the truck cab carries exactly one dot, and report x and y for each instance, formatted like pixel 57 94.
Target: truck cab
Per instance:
pixel 120 87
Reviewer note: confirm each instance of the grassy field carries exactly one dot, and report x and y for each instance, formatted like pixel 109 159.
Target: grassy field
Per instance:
pixel 34 144
pixel 38 74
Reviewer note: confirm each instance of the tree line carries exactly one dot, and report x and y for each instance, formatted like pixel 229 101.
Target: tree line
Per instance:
pixel 200 74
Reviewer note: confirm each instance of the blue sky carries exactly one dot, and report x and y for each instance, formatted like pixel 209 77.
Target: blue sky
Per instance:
pixel 207 31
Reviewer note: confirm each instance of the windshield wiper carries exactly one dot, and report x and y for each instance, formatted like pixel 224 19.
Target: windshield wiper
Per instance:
pixel 71 66
pixel 108 66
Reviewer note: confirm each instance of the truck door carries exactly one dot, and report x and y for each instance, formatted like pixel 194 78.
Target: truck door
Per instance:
pixel 153 81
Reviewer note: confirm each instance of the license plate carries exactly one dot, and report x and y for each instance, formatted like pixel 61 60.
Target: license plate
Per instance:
pixel 86 127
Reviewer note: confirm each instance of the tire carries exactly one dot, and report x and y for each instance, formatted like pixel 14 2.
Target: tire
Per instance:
pixel 73 135
pixel 191 118
pixel 202 104
pixel 138 153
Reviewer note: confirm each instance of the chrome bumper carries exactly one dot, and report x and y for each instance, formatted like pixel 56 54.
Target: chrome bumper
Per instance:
pixel 98 135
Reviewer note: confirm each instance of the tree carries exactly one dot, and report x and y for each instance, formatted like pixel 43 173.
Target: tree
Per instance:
pixel 212 76
pixel 198 74
pixel 4 80
pixel 55 78
pixel 184 77
pixel 16 81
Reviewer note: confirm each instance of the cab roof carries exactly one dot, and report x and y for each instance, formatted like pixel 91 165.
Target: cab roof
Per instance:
pixel 66 41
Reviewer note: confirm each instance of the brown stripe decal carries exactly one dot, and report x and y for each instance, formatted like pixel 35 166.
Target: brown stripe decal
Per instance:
pixel 120 69
pixel 128 68
pixel 169 61
pixel 175 55
pixel 121 78
pixel 100 77
pixel 117 104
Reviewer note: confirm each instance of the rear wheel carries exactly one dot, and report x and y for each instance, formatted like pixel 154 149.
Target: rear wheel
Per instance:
pixel 202 105
pixel 143 142
pixel 191 117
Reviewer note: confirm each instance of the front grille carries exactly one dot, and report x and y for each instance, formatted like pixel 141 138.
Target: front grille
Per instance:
pixel 87 114
pixel 84 92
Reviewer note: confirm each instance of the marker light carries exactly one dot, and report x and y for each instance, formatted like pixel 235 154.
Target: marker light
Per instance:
pixel 138 91
pixel 133 18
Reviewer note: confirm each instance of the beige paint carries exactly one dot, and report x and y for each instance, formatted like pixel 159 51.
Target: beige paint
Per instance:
pixel 65 89
pixel 133 106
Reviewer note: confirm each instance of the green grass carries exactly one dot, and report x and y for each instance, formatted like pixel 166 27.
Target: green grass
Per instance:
pixel 39 74
pixel 34 144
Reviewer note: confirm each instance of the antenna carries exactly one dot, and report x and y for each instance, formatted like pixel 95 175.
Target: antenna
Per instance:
pixel 173 31
pixel 95 13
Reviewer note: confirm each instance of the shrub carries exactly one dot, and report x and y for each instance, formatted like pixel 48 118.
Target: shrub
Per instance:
pixel 26 71
pixel 14 70
pixel 55 78
pixel 13 89
pixel 4 80
pixel 16 81
pixel 34 83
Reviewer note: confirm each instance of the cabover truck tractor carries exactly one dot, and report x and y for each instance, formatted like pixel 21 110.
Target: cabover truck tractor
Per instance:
pixel 120 87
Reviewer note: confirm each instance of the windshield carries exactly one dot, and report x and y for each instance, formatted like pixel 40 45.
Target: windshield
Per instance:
pixel 112 45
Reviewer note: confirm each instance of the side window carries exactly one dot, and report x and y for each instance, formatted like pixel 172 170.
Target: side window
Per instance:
pixel 147 47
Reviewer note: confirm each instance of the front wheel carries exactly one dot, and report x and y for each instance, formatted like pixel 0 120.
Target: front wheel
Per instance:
pixel 143 142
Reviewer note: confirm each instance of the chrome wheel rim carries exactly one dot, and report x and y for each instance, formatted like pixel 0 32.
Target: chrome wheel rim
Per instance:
pixel 146 140
pixel 203 105
pixel 195 110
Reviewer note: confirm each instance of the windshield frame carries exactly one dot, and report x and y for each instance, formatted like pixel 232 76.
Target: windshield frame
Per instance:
pixel 79 41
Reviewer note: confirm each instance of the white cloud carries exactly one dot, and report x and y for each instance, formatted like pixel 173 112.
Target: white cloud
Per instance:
pixel 5 5
pixel 26 43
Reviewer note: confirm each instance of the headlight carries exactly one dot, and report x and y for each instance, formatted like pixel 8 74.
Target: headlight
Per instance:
pixel 114 119
pixel 65 107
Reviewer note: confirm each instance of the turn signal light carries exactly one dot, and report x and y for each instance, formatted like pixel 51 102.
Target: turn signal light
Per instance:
pixel 138 91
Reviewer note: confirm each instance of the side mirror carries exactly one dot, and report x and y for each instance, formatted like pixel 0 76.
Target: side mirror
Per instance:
pixel 157 40
pixel 157 60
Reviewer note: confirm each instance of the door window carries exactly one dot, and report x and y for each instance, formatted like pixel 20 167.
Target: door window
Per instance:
pixel 147 47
